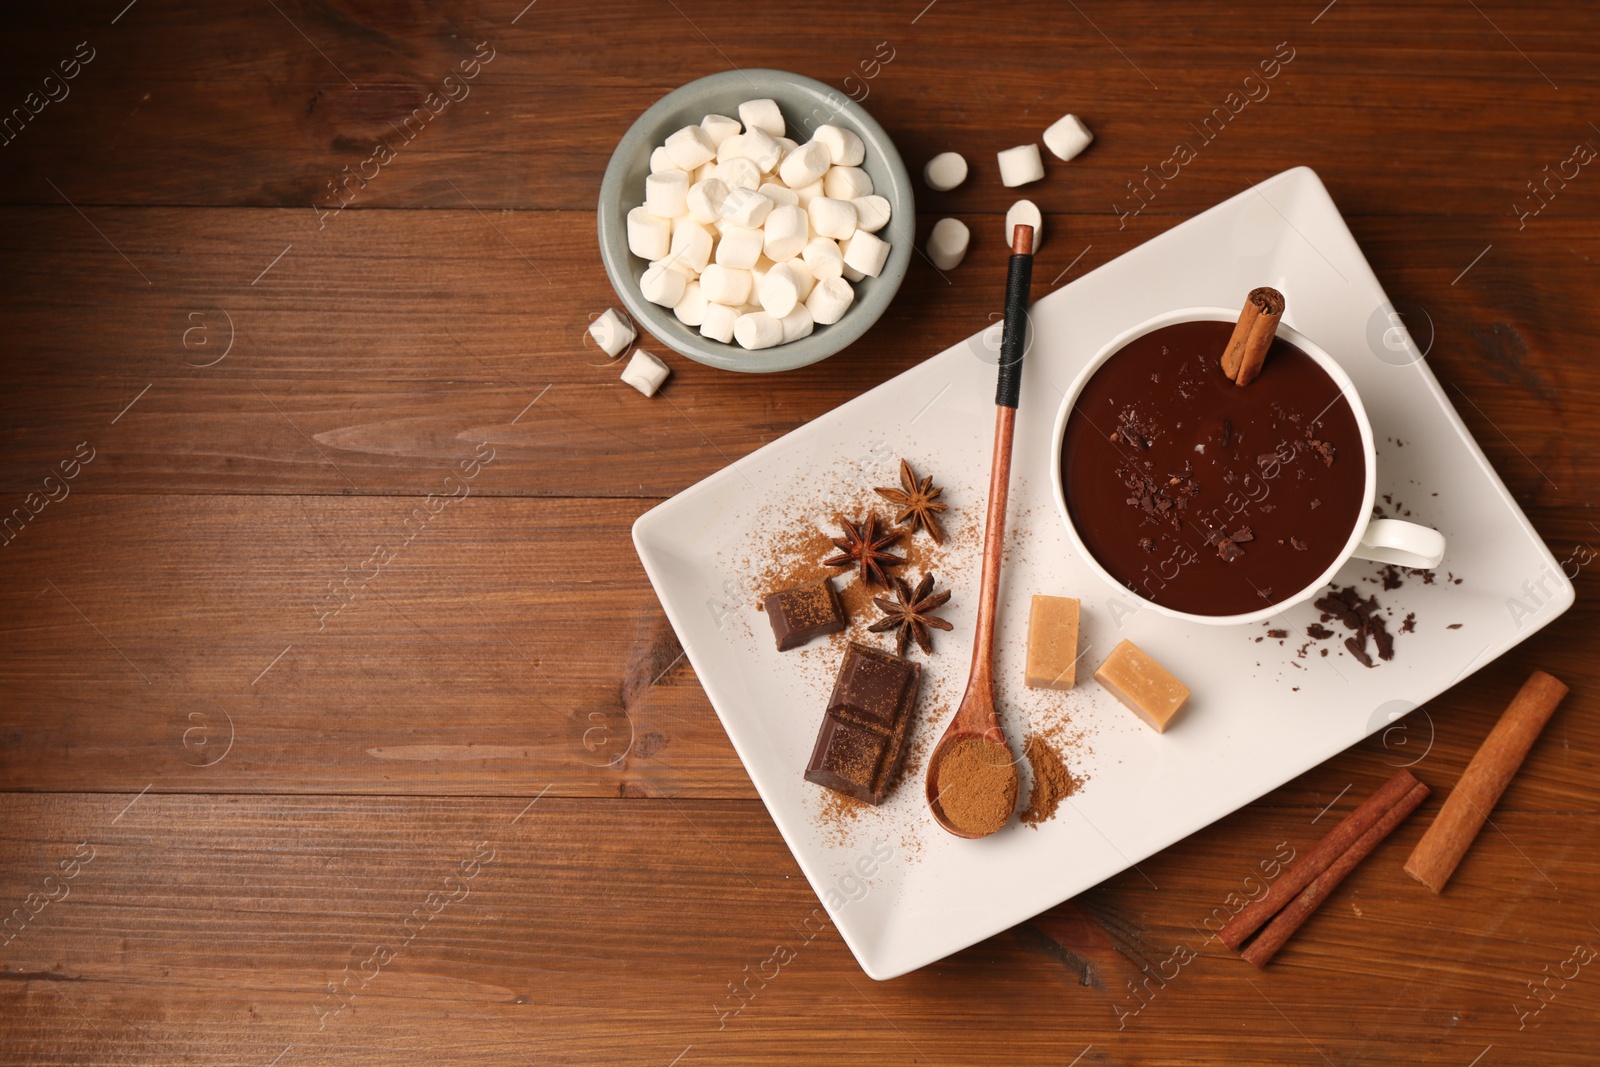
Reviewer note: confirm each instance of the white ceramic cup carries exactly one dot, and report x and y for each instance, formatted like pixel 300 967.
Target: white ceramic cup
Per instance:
pixel 1384 540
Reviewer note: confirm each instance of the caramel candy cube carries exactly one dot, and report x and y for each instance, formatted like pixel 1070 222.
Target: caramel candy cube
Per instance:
pixel 1052 643
pixel 1142 684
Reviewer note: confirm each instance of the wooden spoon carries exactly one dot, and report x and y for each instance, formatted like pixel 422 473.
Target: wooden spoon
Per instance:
pixel 976 718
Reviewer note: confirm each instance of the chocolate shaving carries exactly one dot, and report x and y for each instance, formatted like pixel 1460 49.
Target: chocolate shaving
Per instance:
pixel 1361 615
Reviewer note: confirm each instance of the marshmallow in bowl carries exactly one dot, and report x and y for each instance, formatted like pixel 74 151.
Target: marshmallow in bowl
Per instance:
pixel 662 285
pixel 846 183
pixel 717 323
pixel 705 199
pixel 865 252
pixel 690 147
pixel 829 300
pixel 666 194
pixel 757 330
pixel 845 148
pixel 787 231
pixel 805 165
pixel 762 115
pixel 649 236
pixel 823 257
pixel 753 238
pixel 832 218
pixel 872 213
pixel 739 247
pixel 719 128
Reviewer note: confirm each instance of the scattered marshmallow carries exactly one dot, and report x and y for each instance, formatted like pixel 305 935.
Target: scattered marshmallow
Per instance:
pixel 822 257
pixel 1066 137
pixel 787 231
pixel 705 200
pixel 947 244
pixel 846 183
pixel 666 194
pixel 829 301
pixel 832 218
pixel 780 291
pixel 945 171
pixel 1025 213
pixel 612 332
pixel 690 147
pixel 649 236
pixel 1020 165
pixel 740 247
pixel 663 285
pixel 757 330
pixel 746 207
pixel 805 165
pixel 725 285
pixel 718 322
pixel 719 128
pixel 797 324
pixel 750 237
pixel 645 372
pixel 762 115
pixel 865 252
pixel 872 213
pixel 691 310
pixel 844 147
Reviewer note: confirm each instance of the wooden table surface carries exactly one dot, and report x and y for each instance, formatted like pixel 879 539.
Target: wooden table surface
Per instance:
pixel 217 798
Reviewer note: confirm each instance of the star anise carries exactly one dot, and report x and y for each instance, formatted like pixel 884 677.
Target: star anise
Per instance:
pixel 862 547
pixel 919 502
pixel 912 616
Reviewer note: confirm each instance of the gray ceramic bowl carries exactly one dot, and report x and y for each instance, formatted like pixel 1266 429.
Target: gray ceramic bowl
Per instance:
pixel 806 104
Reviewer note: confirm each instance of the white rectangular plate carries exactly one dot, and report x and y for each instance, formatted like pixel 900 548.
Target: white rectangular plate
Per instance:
pixel 903 893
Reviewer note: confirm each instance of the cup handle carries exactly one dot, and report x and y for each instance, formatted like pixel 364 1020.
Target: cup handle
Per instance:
pixel 1404 544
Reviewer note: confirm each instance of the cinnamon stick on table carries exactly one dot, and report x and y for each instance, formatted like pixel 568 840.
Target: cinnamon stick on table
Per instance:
pixel 1444 844
pixel 1252 335
pixel 1279 930
pixel 1326 852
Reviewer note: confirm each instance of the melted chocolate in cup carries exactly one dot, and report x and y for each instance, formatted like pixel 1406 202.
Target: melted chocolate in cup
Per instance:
pixel 1203 496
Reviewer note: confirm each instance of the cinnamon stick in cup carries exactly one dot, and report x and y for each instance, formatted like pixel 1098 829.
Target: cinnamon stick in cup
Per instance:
pixel 1246 352
pixel 1323 855
pixel 1290 919
pixel 1441 849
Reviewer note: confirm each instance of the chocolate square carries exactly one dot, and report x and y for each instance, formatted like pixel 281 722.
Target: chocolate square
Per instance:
pixel 846 757
pixel 805 612
pixel 861 743
pixel 871 686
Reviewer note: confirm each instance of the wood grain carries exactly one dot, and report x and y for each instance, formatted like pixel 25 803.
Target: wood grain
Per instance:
pixel 270 789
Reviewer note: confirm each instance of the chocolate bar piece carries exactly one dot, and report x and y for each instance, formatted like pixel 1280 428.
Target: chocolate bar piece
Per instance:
pixel 863 737
pixel 804 612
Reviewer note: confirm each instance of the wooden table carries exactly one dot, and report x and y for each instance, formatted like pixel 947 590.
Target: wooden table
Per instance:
pixel 220 793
